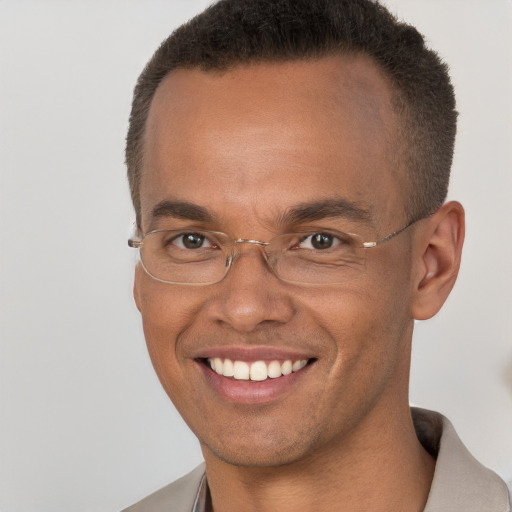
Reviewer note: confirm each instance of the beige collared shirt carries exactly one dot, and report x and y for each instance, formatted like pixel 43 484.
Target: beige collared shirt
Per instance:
pixel 460 484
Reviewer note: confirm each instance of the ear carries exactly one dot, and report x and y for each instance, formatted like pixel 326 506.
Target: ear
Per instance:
pixel 136 287
pixel 437 254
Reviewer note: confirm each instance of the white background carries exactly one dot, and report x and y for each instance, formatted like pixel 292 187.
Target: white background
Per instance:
pixel 84 425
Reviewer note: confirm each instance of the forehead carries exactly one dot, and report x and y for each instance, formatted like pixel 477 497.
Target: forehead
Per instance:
pixel 267 135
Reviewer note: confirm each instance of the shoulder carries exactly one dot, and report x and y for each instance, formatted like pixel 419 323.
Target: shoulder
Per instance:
pixel 178 496
pixel 460 481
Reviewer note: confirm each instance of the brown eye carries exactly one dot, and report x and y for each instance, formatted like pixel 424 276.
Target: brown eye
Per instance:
pixel 190 241
pixel 321 241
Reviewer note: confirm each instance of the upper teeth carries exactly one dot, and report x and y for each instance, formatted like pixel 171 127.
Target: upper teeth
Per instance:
pixel 259 370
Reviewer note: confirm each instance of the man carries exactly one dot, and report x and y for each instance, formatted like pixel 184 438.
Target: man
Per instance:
pixel 289 162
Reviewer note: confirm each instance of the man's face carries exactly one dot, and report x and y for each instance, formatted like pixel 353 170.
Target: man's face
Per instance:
pixel 248 146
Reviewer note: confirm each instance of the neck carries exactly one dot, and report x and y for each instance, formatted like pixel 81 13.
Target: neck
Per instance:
pixel 389 472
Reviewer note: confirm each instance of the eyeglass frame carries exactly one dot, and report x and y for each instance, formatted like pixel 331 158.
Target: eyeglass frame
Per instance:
pixel 137 244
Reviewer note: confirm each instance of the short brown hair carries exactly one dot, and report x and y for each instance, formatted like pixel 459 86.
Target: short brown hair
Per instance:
pixel 237 32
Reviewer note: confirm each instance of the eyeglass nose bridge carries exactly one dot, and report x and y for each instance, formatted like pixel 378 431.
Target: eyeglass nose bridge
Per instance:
pixel 249 241
pixel 230 259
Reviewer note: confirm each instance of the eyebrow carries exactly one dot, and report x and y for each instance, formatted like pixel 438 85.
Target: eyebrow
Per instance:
pixel 300 213
pixel 324 209
pixel 180 210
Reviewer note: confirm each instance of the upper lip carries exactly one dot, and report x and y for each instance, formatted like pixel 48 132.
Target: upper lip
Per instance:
pixel 256 353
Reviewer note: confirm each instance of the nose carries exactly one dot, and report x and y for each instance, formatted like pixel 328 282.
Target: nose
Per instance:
pixel 251 295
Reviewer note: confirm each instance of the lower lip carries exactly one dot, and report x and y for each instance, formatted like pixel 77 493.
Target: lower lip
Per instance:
pixel 251 392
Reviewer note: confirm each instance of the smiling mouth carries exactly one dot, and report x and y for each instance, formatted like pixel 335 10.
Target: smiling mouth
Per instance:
pixel 257 370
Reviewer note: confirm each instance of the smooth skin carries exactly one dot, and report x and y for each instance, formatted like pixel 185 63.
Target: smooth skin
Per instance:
pixel 247 145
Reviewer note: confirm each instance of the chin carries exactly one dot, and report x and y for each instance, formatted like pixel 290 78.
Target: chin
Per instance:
pixel 263 451
pixel 256 458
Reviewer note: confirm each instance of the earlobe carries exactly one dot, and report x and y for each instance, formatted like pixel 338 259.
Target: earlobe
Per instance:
pixel 437 252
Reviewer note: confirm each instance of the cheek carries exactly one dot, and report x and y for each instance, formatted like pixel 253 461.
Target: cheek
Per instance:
pixel 166 315
pixel 165 309
pixel 361 326
pixel 369 322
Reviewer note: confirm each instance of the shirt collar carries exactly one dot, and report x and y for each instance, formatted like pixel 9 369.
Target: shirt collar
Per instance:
pixel 202 496
pixel 460 483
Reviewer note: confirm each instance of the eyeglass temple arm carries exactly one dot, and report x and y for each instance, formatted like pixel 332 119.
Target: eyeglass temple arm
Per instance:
pixel 391 235
pixel 134 243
